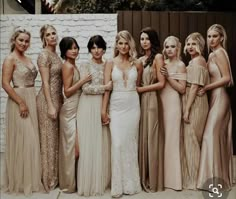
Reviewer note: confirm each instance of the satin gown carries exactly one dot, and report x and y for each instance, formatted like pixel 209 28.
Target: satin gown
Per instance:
pixel 22 153
pixel 125 115
pixel 172 112
pixel 217 146
pixel 67 178
pixel 193 131
pixel 151 136
pixel 94 170
pixel 49 128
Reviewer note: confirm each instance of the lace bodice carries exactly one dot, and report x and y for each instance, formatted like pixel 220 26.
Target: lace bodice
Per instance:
pixel 124 80
pixel 96 86
pixel 24 75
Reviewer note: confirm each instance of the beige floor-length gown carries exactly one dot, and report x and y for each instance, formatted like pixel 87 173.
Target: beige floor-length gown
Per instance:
pixel 22 153
pixel 49 128
pixel 94 170
pixel 193 131
pixel 172 114
pixel 67 162
pixel 217 148
pixel 151 137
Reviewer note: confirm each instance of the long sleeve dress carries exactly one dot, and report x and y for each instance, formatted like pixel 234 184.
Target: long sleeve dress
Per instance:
pixel 93 173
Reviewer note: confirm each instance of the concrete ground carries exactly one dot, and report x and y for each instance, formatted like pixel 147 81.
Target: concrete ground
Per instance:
pixel 167 194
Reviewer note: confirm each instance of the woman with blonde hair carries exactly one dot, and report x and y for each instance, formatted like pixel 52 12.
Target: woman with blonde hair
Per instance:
pixel 125 72
pixel 175 75
pixel 195 110
pixel 22 153
pixel 217 149
pixel 49 101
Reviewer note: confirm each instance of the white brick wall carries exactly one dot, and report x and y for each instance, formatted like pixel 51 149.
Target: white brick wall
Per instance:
pixel 79 26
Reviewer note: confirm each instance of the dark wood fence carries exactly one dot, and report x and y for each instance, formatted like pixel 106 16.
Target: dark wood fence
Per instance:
pixel 181 24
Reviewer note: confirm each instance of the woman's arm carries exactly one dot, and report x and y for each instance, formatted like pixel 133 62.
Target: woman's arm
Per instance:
pixel 44 70
pixel 157 64
pixel 191 97
pixel 178 85
pixel 91 88
pixel 67 77
pixel 7 75
pixel 139 67
pixel 106 96
pixel 223 64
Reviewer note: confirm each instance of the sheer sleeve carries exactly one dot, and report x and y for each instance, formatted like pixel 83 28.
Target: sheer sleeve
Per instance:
pixel 95 87
pixel 43 59
pixel 197 74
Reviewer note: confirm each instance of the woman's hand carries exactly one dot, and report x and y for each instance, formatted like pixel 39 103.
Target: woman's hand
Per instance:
pixel 201 91
pixel 139 89
pixel 186 116
pixel 108 86
pixel 52 113
pixel 87 78
pixel 24 111
pixel 164 71
pixel 105 119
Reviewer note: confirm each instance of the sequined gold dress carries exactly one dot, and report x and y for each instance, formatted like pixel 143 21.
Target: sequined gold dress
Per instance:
pixel 49 128
pixel 23 166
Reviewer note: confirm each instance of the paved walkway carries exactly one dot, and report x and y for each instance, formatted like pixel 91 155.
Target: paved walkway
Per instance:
pixel 167 194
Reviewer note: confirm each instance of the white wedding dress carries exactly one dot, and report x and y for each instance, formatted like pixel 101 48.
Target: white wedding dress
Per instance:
pixel 124 126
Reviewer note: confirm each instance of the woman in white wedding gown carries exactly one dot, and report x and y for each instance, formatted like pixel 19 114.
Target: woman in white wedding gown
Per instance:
pixel 124 113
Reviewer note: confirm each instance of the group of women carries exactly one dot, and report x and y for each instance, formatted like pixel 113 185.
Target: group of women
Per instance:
pixel 130 123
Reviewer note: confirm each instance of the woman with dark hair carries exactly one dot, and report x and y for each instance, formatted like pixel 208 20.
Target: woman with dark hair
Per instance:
pixel 151 134
pixel 94 162
pixel 68 143
pixel 49 101
pixel 22 152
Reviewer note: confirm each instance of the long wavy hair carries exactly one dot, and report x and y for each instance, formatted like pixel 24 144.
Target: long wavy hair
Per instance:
pixel 155 44
pixel 124 34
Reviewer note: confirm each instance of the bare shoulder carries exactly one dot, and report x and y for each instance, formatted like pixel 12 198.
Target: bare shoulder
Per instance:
pixel 200 60
pixel 138 64
pixel 220 53
pixel 159 56
pixel 9 59
pixel 181 66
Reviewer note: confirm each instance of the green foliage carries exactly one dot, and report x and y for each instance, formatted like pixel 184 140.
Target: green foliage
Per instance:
pixel 112 6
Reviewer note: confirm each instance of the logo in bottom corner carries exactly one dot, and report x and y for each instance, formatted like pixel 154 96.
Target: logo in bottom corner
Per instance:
pixel 215 188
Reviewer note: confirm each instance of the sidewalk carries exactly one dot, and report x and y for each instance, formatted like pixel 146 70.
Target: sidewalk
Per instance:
pixel 167 194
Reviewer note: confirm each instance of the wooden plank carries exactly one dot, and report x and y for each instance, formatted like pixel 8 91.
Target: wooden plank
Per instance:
pixel 155 21
pixel 146 19
pixel 120 21
pixel 164 26
pixel 137 17
pixel 127 21
pixel 174 18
